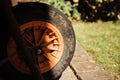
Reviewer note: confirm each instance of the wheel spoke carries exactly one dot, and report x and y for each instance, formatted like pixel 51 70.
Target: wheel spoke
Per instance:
pixel 43 36
pixel 53 49
pixel 37 35
pixel 57 43
pixel 28 38
pixel 51 33
pixel 7 58
pixel 50 57
pixel 51 39
pixel 48 41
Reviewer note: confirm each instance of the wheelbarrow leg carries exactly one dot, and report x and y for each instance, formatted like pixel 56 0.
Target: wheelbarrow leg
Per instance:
pixel 9 18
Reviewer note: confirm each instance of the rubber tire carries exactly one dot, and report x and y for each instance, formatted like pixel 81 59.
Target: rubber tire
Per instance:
pixel 34 11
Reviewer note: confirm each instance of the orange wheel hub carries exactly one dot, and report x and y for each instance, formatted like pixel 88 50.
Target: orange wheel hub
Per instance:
pixel 42 39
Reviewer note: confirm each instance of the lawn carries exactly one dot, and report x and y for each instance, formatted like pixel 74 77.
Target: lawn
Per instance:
pixel 102 41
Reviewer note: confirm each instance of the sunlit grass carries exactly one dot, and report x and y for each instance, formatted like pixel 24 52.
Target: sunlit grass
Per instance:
pixel 102 41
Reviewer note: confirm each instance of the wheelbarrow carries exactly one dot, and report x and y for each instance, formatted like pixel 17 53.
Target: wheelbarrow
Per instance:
pixel 37 40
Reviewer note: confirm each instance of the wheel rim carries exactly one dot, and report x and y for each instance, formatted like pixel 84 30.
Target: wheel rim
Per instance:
pixel 44 39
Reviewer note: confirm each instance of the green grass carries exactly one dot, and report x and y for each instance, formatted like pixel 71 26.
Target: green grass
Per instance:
pixel 102 41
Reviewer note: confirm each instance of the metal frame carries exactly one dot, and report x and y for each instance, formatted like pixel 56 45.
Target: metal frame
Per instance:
pixel 9 18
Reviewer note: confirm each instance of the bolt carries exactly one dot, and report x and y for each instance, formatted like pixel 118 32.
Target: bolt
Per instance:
pixel 39 51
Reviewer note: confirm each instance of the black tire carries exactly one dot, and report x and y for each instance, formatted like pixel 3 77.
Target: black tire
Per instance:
pixel 33 11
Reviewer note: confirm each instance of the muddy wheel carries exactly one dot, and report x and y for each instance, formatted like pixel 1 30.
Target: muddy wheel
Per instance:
pixel 48 34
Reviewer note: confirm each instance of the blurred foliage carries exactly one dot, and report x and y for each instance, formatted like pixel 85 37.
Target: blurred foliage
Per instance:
pixel 87 10
pixel 64 6
pixel 93 10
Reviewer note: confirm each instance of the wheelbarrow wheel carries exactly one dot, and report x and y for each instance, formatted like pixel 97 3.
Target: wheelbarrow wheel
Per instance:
pixel 48 35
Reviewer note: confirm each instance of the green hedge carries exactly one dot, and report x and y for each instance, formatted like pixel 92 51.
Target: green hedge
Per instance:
pixel 64 6
pixel 87 10
pixel 93 10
